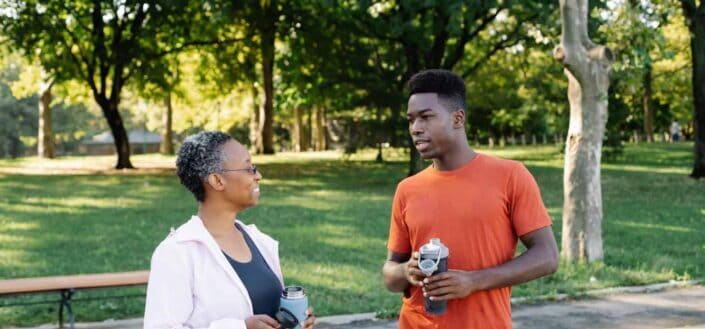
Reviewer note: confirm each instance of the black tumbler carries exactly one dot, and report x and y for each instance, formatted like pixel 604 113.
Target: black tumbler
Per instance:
pixel 434 256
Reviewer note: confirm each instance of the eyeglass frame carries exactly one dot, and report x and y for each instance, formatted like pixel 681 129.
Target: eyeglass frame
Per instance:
pixel 252 170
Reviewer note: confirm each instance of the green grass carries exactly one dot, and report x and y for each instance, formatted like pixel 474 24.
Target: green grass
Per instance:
pixel 331 217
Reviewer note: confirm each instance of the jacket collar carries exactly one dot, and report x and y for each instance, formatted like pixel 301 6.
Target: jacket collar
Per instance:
pixel 195 230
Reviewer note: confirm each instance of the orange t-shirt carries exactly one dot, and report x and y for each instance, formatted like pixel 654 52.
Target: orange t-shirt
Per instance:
pixel 478 211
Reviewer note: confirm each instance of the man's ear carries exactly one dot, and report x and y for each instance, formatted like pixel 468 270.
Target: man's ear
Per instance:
pixel 458 118
pixel 216 182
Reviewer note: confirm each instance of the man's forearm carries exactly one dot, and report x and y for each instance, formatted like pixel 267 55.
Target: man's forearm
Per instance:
pixel 532 264
pixel 394 277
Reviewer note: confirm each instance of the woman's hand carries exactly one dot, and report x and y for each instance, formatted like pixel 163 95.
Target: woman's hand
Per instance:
pixel 310 322
pixel 261 321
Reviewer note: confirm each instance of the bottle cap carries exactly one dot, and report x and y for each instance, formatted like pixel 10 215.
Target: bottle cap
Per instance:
pixel 293 292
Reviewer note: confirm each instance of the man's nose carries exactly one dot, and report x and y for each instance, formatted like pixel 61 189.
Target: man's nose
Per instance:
pixel 416 127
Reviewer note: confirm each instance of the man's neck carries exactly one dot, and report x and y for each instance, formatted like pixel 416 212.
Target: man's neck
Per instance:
pixel 455 158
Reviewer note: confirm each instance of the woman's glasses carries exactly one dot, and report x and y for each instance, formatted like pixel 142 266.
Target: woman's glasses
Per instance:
pixel 252 170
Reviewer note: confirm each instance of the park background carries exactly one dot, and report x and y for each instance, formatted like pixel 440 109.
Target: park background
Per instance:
pixel 317 89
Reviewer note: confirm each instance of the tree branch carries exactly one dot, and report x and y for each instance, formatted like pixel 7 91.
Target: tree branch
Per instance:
pixel 99 51
pixel 136 26
pixel 571 25
pixel 466 36
pixel 87 76
pixel 121 50
pixel 195 43
pixel 688 7
pixel 497 47
pixel 435 56
pixel 90 65
pixel 669 72
pixel 76 16
pixel 502 44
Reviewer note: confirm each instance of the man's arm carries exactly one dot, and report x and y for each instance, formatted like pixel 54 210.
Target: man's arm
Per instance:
pixel 401 270
pixel 540 259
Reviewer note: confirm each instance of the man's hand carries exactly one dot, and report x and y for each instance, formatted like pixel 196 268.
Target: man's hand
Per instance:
pixel 401 270
pixel 452 284
pixel 412 272
pixel 261 321
pixel 310 322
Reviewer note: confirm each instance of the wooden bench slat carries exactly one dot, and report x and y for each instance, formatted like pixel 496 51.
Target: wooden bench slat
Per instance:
pixel 81 281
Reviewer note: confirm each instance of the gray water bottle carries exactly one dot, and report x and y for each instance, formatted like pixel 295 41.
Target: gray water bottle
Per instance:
pixel 433 259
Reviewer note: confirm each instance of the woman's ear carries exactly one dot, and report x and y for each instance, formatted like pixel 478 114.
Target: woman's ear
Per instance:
pixel 458 119
pixel 216 182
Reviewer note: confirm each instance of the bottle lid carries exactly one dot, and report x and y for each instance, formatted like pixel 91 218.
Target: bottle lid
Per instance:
pixel 431 249
pixel 293 292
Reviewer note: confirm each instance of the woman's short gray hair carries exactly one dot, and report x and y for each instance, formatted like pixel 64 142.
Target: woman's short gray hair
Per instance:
pixel 199 156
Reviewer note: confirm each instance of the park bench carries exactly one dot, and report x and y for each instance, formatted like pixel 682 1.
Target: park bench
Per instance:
pixel 67 285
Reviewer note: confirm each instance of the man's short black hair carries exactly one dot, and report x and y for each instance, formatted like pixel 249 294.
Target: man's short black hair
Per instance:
pixel 449 86
pixel 199 156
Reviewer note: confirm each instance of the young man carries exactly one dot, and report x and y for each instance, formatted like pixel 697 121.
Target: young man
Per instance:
pixel 476 204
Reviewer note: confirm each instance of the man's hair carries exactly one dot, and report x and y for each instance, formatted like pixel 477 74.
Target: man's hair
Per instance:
pixel 199 156
pixel 449 86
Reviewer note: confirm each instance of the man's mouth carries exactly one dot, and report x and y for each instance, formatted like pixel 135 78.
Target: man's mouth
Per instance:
pixel 421 144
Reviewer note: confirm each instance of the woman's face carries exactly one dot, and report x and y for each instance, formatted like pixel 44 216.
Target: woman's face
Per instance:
pixel 239 176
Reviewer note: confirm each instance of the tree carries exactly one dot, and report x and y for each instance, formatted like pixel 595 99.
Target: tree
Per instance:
pixel 34 80
pixel 695 20
pixel 18 116
pixel 635 34
pixel 672 75
pixel 159 82
pixel 587 67
pixel 406 37
pixel 248 59
pixel 100 42
pixel 45 136
pixel 268 33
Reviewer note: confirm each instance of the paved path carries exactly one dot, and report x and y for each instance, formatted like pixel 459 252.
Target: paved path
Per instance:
pixel 667 309
pixel 675 308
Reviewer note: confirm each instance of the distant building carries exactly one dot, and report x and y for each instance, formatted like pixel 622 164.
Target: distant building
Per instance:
pixel 141 141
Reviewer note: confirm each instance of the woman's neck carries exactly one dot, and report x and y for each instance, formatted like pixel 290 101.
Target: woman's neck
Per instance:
pixel 217 219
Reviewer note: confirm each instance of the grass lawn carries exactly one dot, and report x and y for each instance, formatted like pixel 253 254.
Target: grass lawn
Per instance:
pixel 331 216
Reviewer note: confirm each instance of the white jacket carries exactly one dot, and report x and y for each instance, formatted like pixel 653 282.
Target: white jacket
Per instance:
pixel 192 284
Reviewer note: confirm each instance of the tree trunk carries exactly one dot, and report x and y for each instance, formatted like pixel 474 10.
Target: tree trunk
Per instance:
pixel 167 145
pixel 587 67
pixel 320 129
pixel 256 122
pixel 415 160
pixel 414 65
pixel 308 142
pixel 695 20
pixel 117 128
pixel 298 135
pixel 648 106
pixel 45 136
pixel 378 135
pixel 268 38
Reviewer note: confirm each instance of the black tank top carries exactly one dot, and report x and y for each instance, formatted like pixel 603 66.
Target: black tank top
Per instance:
pixel 262 284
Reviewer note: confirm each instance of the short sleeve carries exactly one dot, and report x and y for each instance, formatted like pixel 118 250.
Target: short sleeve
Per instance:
pixel 399 241
pixel 528 212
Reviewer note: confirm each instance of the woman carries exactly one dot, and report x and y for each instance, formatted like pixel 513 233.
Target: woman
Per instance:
pixel 214 271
